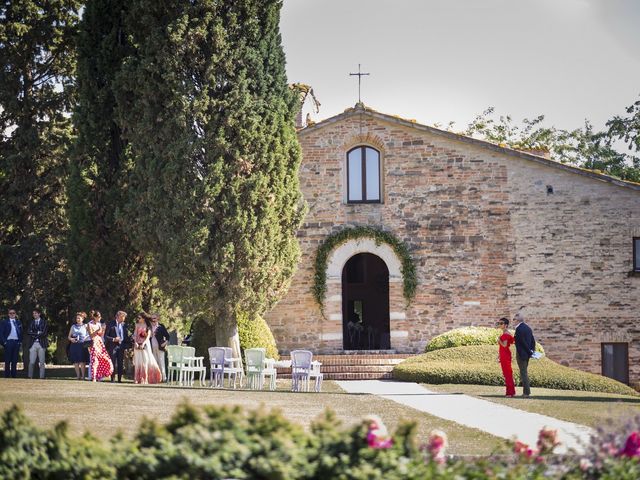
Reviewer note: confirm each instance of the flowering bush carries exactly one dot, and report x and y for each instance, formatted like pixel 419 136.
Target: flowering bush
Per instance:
pixel 223 442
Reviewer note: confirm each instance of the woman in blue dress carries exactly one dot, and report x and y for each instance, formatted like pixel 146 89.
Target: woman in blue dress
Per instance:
pixel 77 336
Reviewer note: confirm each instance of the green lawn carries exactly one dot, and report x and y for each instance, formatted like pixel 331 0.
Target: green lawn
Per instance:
pixel 105 408
pixel 586 408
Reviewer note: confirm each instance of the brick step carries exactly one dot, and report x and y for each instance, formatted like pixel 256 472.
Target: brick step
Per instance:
pixel 347 368
pixel 347 361
pixel 321 357
pixel 356 369
pixel 349 376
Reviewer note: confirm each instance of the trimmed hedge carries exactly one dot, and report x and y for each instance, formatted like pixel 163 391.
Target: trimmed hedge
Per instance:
pixel 465 336
pixel 477 365
pixel 255 333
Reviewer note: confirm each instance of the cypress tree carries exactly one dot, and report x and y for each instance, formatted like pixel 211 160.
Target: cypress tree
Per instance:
pixel 209 117
pixel 107 273
pixel 36 93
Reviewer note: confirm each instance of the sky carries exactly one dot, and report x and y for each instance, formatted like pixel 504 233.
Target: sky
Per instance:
pixel 448 60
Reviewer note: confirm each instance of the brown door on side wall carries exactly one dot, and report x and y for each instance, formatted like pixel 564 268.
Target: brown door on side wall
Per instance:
pixel 365 303
pixel 615 361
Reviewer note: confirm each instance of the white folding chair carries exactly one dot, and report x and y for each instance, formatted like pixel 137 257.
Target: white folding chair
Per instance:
pixel 317 375
pixel 216 370
pixel 300 370
pixel 233 367
pixel 190 366
pixel 254 358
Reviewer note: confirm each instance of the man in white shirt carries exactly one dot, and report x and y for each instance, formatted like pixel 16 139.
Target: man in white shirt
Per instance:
pixel 38 342
pixel 11 340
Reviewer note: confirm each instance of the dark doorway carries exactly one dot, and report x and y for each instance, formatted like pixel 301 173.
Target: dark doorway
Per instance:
pixel 365 303
pixel 615 361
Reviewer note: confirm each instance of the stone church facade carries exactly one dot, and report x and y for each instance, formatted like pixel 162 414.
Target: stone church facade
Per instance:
pixel 489 229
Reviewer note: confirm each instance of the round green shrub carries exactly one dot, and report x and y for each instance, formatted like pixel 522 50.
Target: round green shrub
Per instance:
pixel 466 336
pixel 477 365
pixel 255 333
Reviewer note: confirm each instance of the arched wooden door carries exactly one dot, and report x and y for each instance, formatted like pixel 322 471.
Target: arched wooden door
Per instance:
pixel 365 303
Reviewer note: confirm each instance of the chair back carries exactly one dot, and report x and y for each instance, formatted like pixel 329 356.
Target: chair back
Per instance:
pixel 174 354
pixel 255 359
pixel 188 351
pixel 216 357
pixel 301 359
pixel 228 352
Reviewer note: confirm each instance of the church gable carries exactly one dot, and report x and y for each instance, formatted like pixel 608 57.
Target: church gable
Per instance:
pixel 360 111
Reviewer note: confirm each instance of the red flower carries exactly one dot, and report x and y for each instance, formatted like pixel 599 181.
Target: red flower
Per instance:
pixel 632 446
pixel 523 449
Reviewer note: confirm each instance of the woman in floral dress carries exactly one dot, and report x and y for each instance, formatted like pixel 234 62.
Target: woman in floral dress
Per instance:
pixel 146 367
pixel 101 365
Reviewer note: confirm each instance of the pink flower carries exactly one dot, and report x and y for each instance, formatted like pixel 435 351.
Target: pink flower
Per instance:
pixel 632 446
pixel 377 435
pixel 547 440
pixel 585 464
pixel 437 445
pixel 609 448
pixel 523 449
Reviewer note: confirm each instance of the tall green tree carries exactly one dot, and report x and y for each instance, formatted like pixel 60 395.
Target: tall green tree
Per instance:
pixel 36 93
pixel 209 117
pixel 107 272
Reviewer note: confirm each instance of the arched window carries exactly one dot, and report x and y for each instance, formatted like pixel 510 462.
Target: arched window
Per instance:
pixel 363 175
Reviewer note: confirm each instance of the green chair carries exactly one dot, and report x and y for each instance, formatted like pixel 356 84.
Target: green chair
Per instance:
pixel 174 354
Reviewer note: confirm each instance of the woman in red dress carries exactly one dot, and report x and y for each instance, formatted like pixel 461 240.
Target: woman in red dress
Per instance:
pixel 101 365
pixel 504 356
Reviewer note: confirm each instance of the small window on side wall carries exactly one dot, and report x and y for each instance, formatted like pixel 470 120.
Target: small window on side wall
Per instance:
pixel 615 361
pixel 636 254
pixel 363 175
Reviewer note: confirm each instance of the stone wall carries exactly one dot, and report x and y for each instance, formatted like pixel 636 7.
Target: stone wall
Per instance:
pixel 486 238
pixel 572 263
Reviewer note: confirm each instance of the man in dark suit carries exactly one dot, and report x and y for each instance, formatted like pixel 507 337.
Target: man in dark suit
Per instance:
pixel 159 343
pixel 11 340
pixel 117 341
pixel 37 338
pixel 525 346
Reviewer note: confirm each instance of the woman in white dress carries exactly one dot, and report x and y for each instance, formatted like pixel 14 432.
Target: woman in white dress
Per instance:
pixel 146 367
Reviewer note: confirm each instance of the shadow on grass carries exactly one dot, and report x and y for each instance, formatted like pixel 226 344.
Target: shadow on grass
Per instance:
pixel 570 398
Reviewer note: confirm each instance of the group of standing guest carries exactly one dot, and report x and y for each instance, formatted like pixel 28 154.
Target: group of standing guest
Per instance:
pixel 108 343
pixel 100 347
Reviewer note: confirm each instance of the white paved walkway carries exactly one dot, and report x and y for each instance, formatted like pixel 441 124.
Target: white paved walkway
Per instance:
pixel 496 419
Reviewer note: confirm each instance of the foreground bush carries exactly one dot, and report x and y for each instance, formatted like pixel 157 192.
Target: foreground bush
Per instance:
pixel 217 443
pixel 466 336
pixel 477 365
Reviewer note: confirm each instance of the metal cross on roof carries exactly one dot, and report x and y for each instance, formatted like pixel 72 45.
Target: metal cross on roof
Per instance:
pixel 360 75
